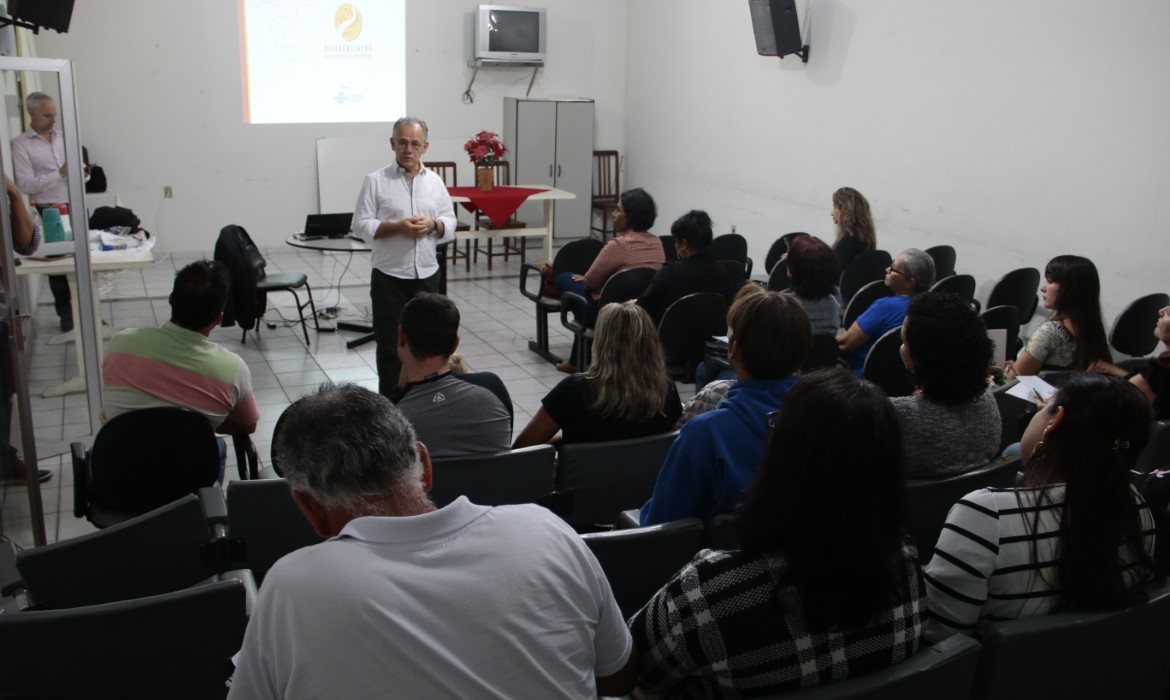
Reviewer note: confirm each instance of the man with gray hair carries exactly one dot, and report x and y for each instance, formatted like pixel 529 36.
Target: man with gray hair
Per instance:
pixel 403 211
pixel 414 601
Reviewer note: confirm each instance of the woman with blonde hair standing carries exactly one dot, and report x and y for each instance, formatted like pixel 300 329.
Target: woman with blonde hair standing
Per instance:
pixel 855 231
pixel 625 393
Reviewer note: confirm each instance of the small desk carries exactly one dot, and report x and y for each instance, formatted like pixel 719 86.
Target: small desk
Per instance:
pixel 340 245
pixel 100 261
pixel 548 196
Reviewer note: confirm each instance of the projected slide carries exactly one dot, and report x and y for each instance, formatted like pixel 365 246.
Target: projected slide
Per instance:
pixel 322 60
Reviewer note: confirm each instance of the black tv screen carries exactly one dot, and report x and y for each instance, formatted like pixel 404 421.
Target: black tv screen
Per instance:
pixel 50 14
pixel 514 30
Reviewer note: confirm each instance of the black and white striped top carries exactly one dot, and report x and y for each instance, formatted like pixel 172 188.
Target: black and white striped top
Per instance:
pixel 982 569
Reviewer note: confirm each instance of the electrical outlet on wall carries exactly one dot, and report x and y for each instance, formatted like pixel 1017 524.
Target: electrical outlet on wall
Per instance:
pixel 168 192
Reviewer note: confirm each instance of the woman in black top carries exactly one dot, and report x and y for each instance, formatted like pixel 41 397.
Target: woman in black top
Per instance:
pixel 855 232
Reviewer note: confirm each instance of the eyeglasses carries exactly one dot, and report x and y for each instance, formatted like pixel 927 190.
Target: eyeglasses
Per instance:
pixel 896 271
pixel 403 143
pixel 772 419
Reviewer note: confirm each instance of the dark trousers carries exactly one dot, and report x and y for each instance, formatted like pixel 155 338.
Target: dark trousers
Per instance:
pixel 59 286
pixel 389 294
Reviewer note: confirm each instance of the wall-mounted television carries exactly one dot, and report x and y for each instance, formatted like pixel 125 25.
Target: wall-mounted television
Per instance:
pixel 507 34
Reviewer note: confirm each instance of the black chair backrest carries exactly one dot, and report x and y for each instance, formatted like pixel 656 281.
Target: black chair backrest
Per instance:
pixel 1132 332
pixel 944 670
pixel 736 271
pixel 640 561
pixel 596 481
pixel 863 299
pixel 865 268
pixel 624 285
pixel 1156 456
pixel 884 365
pixel 721 532
pixel 961 285
pixel 689 323
pixel 729 246
pixel 497 479
pixel 931 499
pixel 1006 318
pixel 158 552
pixel 147 458
pixel 669 248
pixel 779 248
pixel 1115 654
pixel 944 260
pixel 576 256
pixel 1017 288
pixel 1013 414
pixel 263 514
pixel 175 645
pixel 778 279
pixel 822 354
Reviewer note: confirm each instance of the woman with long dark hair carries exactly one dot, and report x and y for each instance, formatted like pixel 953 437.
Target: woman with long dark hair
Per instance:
pixel 826 583
pixel 1075 535
pixel 1074 337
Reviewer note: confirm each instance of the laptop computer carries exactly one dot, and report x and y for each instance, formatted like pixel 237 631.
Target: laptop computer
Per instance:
pixel 327 225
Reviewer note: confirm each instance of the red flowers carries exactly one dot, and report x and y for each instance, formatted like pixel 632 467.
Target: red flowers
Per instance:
pixel 486 148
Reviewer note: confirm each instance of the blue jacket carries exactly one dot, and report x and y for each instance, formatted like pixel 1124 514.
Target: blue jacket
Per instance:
pixel 717 455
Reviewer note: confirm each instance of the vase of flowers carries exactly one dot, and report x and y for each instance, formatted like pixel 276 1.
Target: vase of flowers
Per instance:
pixel 485 150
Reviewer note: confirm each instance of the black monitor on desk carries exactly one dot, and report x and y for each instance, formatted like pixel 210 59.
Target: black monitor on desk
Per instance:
pixel 327 225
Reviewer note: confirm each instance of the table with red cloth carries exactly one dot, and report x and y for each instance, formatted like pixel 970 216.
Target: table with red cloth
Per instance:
pixel 501 203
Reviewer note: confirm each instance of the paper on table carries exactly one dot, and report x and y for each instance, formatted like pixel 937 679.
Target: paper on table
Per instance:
pixel 1030 387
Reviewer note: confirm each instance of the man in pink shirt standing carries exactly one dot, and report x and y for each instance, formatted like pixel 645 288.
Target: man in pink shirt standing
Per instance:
pixel 38 162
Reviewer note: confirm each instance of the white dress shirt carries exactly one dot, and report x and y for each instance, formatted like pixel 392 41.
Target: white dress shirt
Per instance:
pixel 37 166
pixel 390 194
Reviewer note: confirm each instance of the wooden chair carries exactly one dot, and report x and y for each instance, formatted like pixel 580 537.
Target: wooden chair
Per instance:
pixel 606 189
pixel 503 178
pixel 447 170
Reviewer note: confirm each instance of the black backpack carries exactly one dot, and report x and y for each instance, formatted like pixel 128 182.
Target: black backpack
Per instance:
pixel 106 218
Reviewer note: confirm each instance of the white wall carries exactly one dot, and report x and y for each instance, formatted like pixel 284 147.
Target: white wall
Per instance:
pixel 1014 131
pixel 160 104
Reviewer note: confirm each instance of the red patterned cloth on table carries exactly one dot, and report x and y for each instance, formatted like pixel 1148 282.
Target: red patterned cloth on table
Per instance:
pixel 498 205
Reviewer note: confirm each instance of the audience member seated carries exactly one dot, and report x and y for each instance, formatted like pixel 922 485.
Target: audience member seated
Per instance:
pixel 624 394
pixel 407 600
pixel 635 247
pixel 1074 337
pixel 1075 535
pixel 453 413
pixel 712 380
pixel 814 271
pixel 176 365
pixel 826 584
pixel 855 231
pixel 694 271
pixel 1153 380
pixel 912 272
pixel 717 454
pixel 951 424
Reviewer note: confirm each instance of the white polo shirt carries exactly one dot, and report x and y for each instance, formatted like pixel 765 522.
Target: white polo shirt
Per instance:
pixel 465 602
pixel 390 194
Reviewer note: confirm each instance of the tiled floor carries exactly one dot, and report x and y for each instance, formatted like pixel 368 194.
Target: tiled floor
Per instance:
pixel 497 323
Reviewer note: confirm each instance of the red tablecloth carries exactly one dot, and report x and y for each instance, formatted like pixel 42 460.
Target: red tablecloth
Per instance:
pixel 498 205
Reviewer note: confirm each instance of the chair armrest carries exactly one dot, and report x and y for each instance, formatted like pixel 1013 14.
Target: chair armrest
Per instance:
pixel 80 478
pixel 246 577
pixel 214 505
pixel 628 519
pixel 246 456
pixel 525 271
pixel 750 265
pixel 569 301
pixel 10 578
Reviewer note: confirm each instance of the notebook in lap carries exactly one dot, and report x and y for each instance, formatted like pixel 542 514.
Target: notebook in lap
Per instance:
pixel 327 225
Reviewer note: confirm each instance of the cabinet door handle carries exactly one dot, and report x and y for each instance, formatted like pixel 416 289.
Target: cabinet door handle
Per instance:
pixel 550 169
pixel 558 171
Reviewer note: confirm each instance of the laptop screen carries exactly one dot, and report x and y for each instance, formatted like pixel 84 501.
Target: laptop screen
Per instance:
pixel 328 225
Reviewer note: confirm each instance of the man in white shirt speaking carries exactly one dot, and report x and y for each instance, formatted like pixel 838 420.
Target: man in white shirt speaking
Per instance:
pixel 403 211
pixel 406 600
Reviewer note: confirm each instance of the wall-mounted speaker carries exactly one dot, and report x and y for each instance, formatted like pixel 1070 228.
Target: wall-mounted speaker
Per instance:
pixel 50 14
pixel 777 28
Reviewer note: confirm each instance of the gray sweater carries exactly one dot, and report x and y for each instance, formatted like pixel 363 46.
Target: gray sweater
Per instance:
pixel 944 440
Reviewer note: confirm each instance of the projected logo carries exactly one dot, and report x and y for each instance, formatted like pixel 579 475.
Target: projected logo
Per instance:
pixel 347 20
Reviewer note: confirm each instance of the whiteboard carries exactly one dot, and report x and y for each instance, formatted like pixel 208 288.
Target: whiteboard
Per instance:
pixel 342 163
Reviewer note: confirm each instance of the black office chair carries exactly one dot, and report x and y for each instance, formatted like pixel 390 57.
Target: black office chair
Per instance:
pixel 931 499
pixel 1017 288
pixel 237 245
pixel 497 479
pixel 265 523
pixel 779 248
pixel 1132 332
pixel 1156 455
pixel 142 460
pixel 960 285
pixel 574 256
pixel 884 366
pixel 621 286
pixel 863 299
pixel 722 532
pixel 731 246
pixel 669 249
pixel 822 353
pixel 640 561
pixel 158 552
pixel 174 645
pixel 685 329
pixel 1114 654
pixel 944 670
pixel 1014 414
pixel 735 271
pixel 596 481
pixel 778 279
pixel 1006 318
pixel 944 260
pixel 867 267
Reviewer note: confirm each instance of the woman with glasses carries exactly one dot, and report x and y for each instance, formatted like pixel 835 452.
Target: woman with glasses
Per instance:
pixel 911 272
pixel 825 585
pixel 855 231
pixel 1074 337
pixel 1075 535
